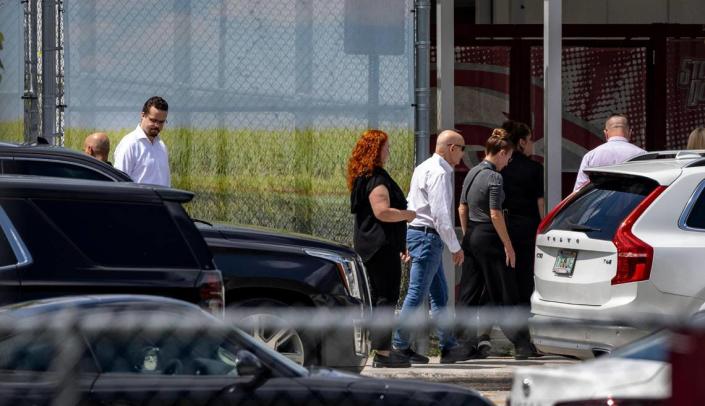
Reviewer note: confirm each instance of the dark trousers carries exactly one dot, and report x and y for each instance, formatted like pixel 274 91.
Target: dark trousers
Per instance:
pixel 522 232
pixel 501 283
pixel 384 270
pixel 472 295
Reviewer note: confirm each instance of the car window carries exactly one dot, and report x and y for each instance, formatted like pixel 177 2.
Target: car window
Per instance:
pixel 26 352
pixel 165 352
pixel 7 256
pixel 601 206
pixel 121 234
pixel 51 168
pixel 696 218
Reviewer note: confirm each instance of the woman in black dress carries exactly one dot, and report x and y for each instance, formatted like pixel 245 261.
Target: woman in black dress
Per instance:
pixel 379 238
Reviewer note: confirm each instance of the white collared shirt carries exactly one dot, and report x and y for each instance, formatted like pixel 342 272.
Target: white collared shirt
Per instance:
pixel 143 160
pixel 431 196
pixel 616 150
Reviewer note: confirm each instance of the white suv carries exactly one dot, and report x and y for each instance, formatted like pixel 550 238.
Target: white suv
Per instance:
pixel 630 243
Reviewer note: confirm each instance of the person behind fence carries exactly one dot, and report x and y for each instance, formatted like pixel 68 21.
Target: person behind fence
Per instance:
pixel 142 153
pixel 97 145
pixel 696 139
pixel 431 196
pixel 487 239
pixel 379 206
pixel 523 208
pixel 615 150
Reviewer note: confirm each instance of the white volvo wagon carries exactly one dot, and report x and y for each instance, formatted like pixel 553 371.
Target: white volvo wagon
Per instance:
pixel 630 244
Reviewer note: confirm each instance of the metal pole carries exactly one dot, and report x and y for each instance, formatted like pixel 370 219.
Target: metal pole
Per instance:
pixel 49 69
pixel 422 94
pixel 30 94
pixel 445 103
pixel 182 62
pixel 552 101
pixel 445 60
pixel 60 99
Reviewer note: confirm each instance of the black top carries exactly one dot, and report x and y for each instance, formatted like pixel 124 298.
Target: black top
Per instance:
pixel 370 233
pixel 482 191
pixel 523 186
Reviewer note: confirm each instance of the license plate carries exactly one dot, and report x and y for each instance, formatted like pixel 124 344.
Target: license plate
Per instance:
pixel 565 262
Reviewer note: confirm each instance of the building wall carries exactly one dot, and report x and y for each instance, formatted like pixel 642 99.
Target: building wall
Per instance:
pixel 603 11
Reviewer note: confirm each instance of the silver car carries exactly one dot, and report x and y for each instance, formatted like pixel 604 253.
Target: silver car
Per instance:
pixel 628 246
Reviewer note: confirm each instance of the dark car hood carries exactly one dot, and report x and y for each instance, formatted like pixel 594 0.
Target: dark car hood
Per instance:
pixel 269 236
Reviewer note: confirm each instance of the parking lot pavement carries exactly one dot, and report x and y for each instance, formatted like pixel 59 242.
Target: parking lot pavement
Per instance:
pixel 491 376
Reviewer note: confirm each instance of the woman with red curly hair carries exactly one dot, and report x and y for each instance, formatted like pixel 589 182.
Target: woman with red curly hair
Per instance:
pixel 379 237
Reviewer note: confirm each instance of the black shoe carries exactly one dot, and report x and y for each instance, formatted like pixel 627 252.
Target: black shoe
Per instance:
pixel 395 359
pixel 414 357
pixel 523 352
pixel 455 354
pixel 483 350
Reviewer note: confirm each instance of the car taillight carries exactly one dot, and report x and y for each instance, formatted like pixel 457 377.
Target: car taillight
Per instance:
pixel 634 257
pixel 549 217
pixel 615 402
pixel 211 292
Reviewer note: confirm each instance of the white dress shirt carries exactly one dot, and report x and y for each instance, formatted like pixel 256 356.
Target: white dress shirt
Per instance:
pixel 143 160
pixel 616 150
pixel 431 196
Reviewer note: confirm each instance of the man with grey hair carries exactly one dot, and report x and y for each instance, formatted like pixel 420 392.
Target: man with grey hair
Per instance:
pixel 616 149
pixel 431 196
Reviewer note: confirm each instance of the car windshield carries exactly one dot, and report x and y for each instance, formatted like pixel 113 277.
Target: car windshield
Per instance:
pixel 654 347
pixel 602 205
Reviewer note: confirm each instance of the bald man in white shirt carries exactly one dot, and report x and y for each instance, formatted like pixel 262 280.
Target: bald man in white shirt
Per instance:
pixel 616 150
pixel 431 196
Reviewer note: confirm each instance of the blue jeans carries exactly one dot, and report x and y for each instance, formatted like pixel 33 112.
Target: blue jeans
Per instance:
pixel 426 279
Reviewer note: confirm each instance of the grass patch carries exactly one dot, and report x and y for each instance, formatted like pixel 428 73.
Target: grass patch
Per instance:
pixel 289 180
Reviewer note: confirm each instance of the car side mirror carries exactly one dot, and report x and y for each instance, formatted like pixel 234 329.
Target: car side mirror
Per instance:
pixel 247 364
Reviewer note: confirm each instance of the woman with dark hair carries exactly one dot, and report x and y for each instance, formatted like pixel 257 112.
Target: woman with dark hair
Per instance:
pixel 491 252
pixel 523 205
pixel 379 236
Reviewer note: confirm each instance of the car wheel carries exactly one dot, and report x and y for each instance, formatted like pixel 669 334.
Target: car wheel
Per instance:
pixel 293 343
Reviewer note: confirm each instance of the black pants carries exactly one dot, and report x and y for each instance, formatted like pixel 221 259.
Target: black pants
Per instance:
pixel 522 232
pixel 384 270
pixel 501 284
pixel 472 295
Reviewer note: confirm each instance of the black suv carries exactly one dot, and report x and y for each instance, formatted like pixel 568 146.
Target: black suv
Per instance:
pixel 65 237
pixel 262 269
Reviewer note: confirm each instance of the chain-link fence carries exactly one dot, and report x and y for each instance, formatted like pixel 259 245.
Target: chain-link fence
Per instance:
pixel 146 350
pixel 266 98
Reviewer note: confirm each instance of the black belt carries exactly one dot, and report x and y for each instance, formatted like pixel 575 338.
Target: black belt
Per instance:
pixel 425 229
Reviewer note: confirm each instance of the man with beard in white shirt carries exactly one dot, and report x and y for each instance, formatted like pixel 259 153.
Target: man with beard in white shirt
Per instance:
pixel 141 153
pixel 431 196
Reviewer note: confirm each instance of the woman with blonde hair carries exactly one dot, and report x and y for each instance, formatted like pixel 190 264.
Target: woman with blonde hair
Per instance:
pixel 379 236
pixel 696 139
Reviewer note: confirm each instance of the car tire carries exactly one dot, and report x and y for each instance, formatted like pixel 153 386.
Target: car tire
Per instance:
pixel 296 344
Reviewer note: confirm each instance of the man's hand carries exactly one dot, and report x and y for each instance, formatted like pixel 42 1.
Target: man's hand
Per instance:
pixel 458 257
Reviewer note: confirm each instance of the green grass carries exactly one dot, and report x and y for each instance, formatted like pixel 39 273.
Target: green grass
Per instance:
pixel 289 180
pixel 12 131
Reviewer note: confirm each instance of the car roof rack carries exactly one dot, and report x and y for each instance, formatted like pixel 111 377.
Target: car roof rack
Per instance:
pixel 674 154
